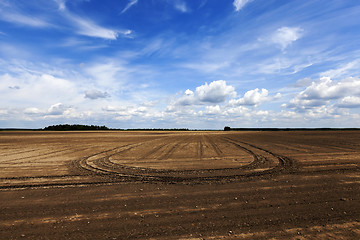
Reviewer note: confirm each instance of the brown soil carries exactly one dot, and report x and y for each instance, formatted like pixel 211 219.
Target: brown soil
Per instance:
pixel 180 185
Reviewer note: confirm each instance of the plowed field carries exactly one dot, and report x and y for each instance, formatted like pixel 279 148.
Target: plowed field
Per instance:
pixel 180 185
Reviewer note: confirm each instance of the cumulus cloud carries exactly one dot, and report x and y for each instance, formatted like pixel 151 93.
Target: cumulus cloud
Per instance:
pixel 349 102
pixel 33 111
pixel 215 92
pixel 135 112
pixel 57 109
pixel 212 110
pixel 187 99
pixel 326 91
pixel 95 94
pixel 37 89
pixel 3 111
pixel 188 92
pixel 238 111
pixel 305 104
pixel 285 36
pixel 239 4
pixel 254 98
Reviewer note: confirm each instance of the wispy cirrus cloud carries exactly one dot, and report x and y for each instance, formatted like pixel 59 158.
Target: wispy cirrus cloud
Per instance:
pixel 181 6
pixel 61 4
pixel 344 69
pixel 86 27
pixel 129 5
pixel 239 4
pixel 81 25
pixel 10 13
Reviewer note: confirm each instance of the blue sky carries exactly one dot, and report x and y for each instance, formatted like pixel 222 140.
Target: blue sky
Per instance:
pixel 201 64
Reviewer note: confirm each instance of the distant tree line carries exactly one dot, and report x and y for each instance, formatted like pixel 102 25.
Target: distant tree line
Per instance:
pixel 79 127
pixel 74 127
pixel 158 129
pixel 289 129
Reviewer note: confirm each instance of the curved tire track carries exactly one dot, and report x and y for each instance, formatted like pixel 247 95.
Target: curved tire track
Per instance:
pixel 104 167
pixel 98 169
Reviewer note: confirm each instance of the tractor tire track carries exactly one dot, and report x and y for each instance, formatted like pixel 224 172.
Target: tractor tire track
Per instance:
pixel 104 167
pixel 98 168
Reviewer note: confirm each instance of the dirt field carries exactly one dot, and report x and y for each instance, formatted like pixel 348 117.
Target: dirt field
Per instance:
pixel 180 185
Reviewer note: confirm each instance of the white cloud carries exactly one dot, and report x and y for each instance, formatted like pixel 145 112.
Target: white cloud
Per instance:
pixel 77 44
pixel 254 98
pixel 305 104
pixel 57 109
pixel 35 89
pixel 181 6
pixel 129 5
pixel 3 111
pixel 187 100
pixel 110 109
pixel 304 82
pixel 215 92
pixel 239 4
pixel 207 66
pixel 188 92
pixel 344 70
pixel 95 94
pixel 211 110
pixel 349 102
pixel 285 36
pixel 327 89
pixel 61 4
pixel 108 74
pixel 33 110
pixel 82 25
pixel 12 15
pixel 88 28
pixel 238 111
pixel 325 92
pixel 124 113
pixel 277 65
